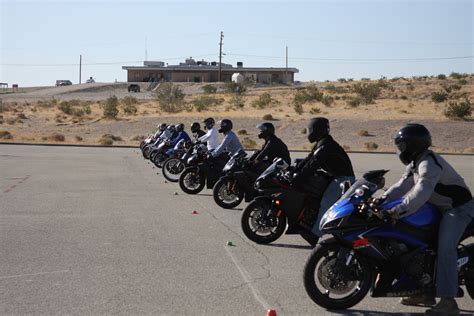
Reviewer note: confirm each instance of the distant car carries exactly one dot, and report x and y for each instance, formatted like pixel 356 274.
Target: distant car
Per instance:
pixel 63 83
pixel 133 88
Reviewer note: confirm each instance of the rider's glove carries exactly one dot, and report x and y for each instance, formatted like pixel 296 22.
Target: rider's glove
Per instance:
pixel 397 211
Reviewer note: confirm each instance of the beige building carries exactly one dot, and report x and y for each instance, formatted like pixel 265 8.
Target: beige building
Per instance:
pixel 203 71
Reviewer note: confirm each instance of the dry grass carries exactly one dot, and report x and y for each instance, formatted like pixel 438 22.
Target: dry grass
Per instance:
pixel 363 132
pixel 56 137
pixel 5 135
pixel 370 146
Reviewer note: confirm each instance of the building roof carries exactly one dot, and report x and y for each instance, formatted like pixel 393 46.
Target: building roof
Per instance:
pixel 211 68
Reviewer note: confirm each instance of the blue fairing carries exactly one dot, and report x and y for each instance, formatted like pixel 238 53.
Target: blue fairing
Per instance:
pixel 427 215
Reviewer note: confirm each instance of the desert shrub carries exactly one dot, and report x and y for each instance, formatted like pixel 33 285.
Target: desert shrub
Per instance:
pixel 395 79
pixel 310 93
pixel 298 107
pixel 129 100
pixel 404 97
pixel 365 79
pixel 353 102
pixel 57 137
pixel 367 92
pixel 333 89
pixel 170 97
pixel 248 143
pixel 204 102
pixel 87 109
pixel 330 88
pixel 209 89
pixel 264 100
pixel 327 100
pixel 363 132
pixel 109 106
pixel 242 132
pixel 410 87
pixel 456 75
pixel 77 111
pixel 22 116
pixel 237 101
pixel 447 88
pixel 78 138
pixel 315 110
pixel 128 105
pixel 138 138
pixel 304 131
pixel 5 135
pixel 106 141
pixel 462 81
pixel 350 79
pixel 337 97
pixel 268 117
pixel 112 137
pixel 439 96
pixel 65 107
pixel 441 77
pixel 342 80
pixel 458 110
pixel 371 146
pixel 234 87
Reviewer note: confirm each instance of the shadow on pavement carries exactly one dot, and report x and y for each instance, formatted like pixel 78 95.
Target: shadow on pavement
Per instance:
pixel 289 246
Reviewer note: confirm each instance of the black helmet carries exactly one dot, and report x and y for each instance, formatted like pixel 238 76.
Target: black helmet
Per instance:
pixel 318 128
pixel 195 127
pixel 226 126
pixel 411 140
pixel 179 127
pixel 266 129
pixel 162 127
pixel 171 128
pixel 209 122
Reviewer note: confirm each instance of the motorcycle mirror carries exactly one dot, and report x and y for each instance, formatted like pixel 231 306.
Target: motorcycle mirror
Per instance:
pixel 381 183
pixel 345 185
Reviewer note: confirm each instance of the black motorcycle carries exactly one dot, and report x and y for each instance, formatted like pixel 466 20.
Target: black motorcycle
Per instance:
pixel 264 219
pixel 175 164
pixel 201 170
pixel 238 182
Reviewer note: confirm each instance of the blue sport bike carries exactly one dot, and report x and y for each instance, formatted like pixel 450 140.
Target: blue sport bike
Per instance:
pixel 370 252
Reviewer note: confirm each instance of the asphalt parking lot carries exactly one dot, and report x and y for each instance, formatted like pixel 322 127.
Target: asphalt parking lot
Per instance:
pixel 97 231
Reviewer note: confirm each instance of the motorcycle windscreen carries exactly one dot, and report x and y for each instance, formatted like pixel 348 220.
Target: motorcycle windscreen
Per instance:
pixel 427 215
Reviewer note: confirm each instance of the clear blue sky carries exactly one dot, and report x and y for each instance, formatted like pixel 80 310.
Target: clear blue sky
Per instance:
pixel 41 40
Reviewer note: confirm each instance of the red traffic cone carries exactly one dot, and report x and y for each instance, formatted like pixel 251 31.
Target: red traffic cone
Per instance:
pixel 271 312
pixel 194 212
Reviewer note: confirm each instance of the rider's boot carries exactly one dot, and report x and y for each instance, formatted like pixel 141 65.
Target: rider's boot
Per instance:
pixel 446 306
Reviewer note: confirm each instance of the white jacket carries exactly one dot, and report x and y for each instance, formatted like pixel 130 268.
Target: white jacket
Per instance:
pixel 211 137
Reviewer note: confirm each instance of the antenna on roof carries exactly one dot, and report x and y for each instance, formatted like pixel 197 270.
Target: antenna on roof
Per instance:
pixel 146 49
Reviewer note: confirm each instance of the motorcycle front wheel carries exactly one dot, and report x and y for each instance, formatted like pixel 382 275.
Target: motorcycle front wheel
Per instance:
pixel 172 169
pixel 191 181
pixel 333 282
pixel 158 159
pixel 227 193
pixel 260 227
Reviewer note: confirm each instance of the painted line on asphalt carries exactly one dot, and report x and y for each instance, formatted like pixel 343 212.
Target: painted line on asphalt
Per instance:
pixel 248 280
pixel 16 184
pixel 31 274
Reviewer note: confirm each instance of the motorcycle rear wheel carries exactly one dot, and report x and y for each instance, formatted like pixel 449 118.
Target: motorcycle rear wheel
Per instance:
pixel 222 195
pixel 321 267
pixel 254 219
pixel 172 169
pixel 191 181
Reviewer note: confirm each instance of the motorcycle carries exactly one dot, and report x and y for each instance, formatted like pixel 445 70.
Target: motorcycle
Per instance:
pixel 201 170
pixel 370 251
pixel 159 154
pixel 176 162
pixel 264 219
pixel 237 183
pixel 152 142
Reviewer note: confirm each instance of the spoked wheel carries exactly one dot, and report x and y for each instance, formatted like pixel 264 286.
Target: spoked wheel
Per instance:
pixel 334 279
pixel 172 169
pixel 158 159
pixel 259 226
pixel 227 193
pixel 191 181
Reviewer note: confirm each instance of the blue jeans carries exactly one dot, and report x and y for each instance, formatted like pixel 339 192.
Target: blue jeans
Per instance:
pixel 452 227
pixel 330 196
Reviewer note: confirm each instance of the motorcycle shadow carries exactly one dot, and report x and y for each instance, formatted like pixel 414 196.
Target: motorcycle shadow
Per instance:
pixel 288 246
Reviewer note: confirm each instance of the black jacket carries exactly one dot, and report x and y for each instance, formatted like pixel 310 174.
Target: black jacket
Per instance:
pixel 328 155
pixel 273 148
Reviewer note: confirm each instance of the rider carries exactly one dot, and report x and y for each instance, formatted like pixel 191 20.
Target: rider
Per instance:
pixel 180 134
pixel 273 147
pixel 322 171
pixel 430 178
pixel 211 137
pixel 230 143
pixel 196 130
pixel 159 130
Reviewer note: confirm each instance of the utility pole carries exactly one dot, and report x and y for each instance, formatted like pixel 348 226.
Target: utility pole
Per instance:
pixel 220 58
pixel 146 48
pixel 80 68
pixel 286 68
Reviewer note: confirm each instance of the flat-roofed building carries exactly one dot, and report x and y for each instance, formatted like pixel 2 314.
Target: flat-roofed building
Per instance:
pixel 203 71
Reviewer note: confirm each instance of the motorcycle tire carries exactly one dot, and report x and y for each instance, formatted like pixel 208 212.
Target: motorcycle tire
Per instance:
pixel 323 298
pixel 248 220
pixel 191 174
pixel 146 152
pixel 158 159
pixel 172 169
pixel 220 191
